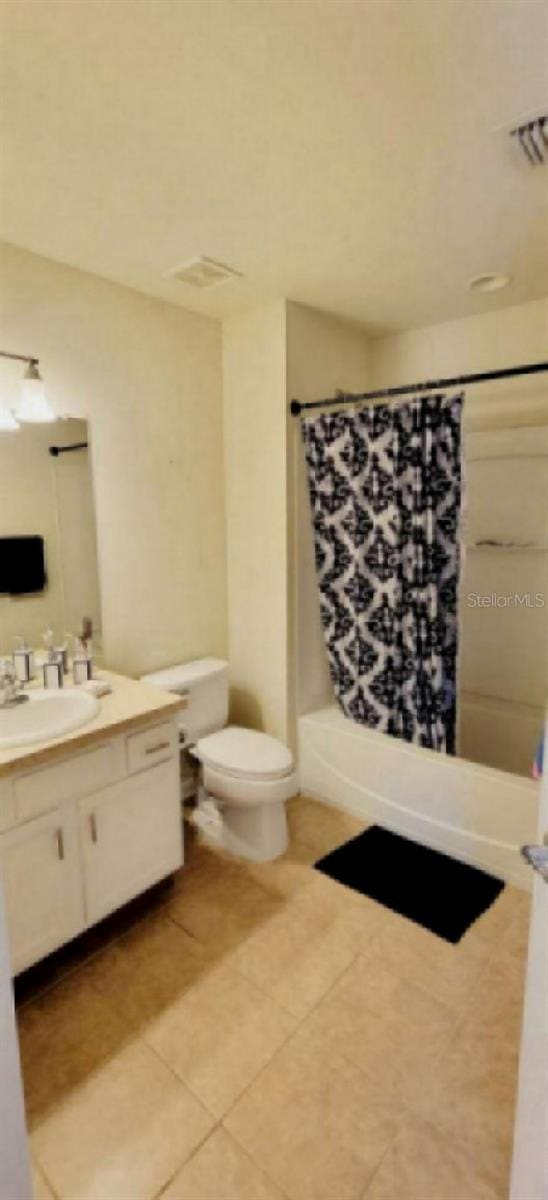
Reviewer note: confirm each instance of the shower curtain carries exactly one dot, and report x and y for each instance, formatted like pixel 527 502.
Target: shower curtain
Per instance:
pixel 385 493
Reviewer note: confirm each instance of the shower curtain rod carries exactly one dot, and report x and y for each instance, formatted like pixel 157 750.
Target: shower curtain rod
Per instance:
pixel 408 389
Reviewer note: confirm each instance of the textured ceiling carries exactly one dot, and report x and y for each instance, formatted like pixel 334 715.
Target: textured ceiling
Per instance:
pixel 341 153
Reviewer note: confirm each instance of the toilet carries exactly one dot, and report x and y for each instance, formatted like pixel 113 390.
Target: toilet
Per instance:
pixel 245 776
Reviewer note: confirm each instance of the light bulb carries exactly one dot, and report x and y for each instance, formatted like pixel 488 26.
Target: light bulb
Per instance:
pixel 34 406
pixel 8 423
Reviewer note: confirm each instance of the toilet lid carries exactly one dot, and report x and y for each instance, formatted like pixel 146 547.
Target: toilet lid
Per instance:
pixel 245 752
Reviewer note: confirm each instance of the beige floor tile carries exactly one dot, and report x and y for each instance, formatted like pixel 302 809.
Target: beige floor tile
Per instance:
pixel 220 905
pixel 298 954
pixel 220 1170
pixel 424 1164
pixel 496 1002
pixel 314 1123
pixel 320 826
pixel 446 971
pixel 148 970
pixel 516 936
pixel 219 1036
pixel 123 1133
pixel 64 1035
pixel 357 918
pixel 510 911
pixel 73 955
pixel 470 1094
pixel 40 1187
pixel 214 982
pixel 286 875
pixel 388 1027
pixel 201 860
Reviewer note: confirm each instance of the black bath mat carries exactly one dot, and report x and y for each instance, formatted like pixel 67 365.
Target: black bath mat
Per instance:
pixel 427 887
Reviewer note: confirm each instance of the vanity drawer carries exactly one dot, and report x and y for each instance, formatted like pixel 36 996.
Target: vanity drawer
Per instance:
pixel 46 787
pixel 152 745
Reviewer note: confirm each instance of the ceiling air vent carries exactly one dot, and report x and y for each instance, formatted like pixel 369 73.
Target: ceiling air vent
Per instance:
pixel 203 273
pixel 532 137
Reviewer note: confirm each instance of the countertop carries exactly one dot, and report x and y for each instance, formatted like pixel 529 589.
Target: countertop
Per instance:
pixel 131 705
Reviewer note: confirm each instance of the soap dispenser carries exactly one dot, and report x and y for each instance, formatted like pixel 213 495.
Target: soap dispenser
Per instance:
pixel 62 653
pixel 53 666
pixel 53 670
pixel 23 661
pixel 82 663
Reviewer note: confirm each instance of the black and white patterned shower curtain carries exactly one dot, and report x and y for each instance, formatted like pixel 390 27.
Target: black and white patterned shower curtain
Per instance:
pixel 385 492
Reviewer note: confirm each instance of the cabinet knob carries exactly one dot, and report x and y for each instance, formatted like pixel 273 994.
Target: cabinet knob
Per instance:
pixel 93 827
pixel 60 844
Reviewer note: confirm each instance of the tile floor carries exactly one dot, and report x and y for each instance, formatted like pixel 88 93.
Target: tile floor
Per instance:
pixel 261 1033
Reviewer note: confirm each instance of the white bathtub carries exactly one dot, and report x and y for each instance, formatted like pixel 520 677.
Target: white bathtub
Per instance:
pixel 478 814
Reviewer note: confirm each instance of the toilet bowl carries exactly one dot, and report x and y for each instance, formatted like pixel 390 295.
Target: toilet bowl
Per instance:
pixel 245 776
pixel 250 775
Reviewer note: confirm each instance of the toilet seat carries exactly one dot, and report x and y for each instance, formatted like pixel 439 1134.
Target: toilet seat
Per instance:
pixel 245 754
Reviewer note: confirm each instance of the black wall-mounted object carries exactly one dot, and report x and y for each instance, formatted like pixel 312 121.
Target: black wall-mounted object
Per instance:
pixel 409 389
pixel 22 565
pixel 55 451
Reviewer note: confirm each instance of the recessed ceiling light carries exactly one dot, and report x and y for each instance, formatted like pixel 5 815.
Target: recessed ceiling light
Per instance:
pixel 489 282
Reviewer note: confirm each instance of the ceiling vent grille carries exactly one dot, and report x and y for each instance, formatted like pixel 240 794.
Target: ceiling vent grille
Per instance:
pixel 203 273
pixel 532 137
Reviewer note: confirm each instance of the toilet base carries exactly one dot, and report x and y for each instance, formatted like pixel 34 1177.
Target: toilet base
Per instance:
pixel 257 832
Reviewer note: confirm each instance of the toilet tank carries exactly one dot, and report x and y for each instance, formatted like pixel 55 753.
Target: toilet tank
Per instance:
pixel 205 684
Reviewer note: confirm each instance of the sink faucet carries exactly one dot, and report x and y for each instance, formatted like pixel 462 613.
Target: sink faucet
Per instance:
pixel 10 687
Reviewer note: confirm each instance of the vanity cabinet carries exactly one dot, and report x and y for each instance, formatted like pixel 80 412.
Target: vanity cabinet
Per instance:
pixel 87 834
pixel 43 896
pixel 128 833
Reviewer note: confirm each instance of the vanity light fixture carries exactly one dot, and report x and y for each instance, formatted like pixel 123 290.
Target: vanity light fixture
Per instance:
pixel 33 407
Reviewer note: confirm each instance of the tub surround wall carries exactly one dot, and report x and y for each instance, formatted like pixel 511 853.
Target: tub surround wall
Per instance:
pixel 504 649
pixel 148 377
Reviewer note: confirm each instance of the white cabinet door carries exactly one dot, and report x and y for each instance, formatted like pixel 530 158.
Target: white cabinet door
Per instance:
pixel 131 837
pixel 41 876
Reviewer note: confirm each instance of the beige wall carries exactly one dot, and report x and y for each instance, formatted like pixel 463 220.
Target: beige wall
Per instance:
pixel 505 338
pixel 254 376
pixel 147 375
pixel 51 497
pixel 323 354
pixel 276 649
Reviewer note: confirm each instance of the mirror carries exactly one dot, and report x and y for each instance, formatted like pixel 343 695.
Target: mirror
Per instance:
pixel 47 496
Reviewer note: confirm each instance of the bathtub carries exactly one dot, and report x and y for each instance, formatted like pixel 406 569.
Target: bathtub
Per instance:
pixel 476 813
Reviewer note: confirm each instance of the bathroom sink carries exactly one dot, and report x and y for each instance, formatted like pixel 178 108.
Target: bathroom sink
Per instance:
pixel 46 715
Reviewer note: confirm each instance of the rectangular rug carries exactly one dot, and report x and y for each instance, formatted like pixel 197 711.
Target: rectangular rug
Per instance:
pixel 430 888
